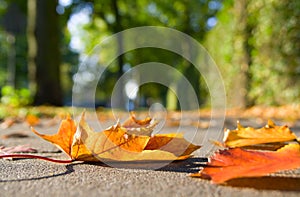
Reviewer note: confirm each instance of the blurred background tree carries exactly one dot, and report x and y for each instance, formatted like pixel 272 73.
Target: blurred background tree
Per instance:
pixel 44 56
pixel 255 44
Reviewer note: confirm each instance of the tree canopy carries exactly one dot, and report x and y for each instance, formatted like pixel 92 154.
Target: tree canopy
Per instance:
pixel 254 43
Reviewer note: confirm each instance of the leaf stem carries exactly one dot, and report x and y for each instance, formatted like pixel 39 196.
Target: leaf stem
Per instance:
pixel 28 156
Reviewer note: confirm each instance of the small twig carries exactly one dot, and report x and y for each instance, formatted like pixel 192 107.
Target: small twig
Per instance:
pixel 28 156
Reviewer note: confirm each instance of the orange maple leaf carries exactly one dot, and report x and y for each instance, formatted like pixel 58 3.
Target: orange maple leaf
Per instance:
pixel 64 137
pixel 111 144
pixel 127 142
pixel 32 120
pixel 248 136
pixel 237 162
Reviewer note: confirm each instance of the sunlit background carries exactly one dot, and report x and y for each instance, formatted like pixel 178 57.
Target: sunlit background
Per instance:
pixel 255 44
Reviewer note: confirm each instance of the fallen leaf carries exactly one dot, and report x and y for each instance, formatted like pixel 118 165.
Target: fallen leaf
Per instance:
pixel 8 122
pixel 237 163
pixel 139 127
pixel 113 143
pixel 249 136
pixel 198 124
pixel 128 142
pixel 173 142
pixel 64 137
pixel 16 149
pixel 32 120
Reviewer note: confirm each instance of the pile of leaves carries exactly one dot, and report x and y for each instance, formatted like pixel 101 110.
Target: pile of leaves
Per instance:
pixel 253 152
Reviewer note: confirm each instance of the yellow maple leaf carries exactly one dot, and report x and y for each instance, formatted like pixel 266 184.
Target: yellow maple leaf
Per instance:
pixel 248 136
pixel 64 137
pixel 173 142
pixel 117 144
pixel 113 143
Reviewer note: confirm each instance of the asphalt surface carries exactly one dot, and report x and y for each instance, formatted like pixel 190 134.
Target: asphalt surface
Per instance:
pixel 31 177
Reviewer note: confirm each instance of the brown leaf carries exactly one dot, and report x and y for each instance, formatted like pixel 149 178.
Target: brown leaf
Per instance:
pixel 236 163
pixel 8 122
pixel 139 127
pixel 250 136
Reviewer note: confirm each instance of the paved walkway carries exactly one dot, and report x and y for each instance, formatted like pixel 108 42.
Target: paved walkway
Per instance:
pixel 28 177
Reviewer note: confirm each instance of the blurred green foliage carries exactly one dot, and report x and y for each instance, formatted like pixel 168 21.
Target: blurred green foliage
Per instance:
pixel 189 17
pixel 15 97
pixel 256 45
pixel 269 44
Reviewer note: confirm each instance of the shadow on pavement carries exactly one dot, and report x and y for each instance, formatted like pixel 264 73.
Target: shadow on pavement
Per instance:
pixel 190 165
pixel 69 170
pixel 267 183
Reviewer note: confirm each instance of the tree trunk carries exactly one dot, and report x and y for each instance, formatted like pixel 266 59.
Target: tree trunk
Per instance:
pixel 44 52
pixel 14 23
pixel 117 28
pixel 241 57
pixel 31 16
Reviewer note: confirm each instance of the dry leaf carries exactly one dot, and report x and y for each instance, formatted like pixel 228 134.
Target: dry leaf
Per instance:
pixel 32 120
pixel 139 127
pixel 173 142
pixel 119 142
pixel 8 122
pixel 16 149
pixel 111 144
pixel 249 136
pixel 237 163
pixel 64 137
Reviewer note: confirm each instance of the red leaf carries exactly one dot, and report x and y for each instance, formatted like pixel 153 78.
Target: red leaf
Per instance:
pixel 237 163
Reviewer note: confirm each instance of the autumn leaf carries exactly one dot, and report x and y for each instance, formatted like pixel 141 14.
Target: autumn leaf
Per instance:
pixel 139 127
pixel 17 149
pixel 249 136
pixel 236 163
pixel 131 141
pixel 8 122
pixel 173 142
pixel 113 143
pixel 64 137
pixel 32 120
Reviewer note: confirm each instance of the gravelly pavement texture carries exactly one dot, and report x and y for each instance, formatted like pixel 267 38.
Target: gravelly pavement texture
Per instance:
pixel 30 177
